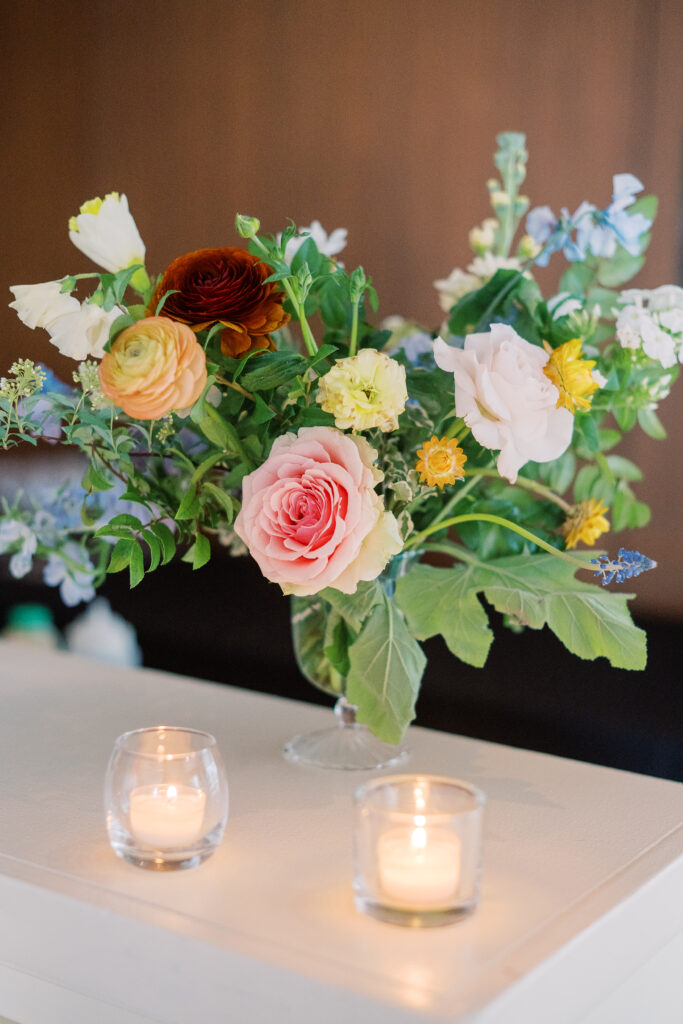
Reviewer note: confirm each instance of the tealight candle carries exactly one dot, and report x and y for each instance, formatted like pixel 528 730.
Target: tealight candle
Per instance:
pixel 167 815
pixel 419 868
pixel 417 849
pixel 165 797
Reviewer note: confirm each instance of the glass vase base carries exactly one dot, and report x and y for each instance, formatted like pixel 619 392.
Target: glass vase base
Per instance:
pixel 344 747
pixel 162 862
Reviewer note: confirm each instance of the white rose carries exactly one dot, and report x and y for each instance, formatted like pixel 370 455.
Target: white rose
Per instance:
pixel 83 333
pixel 506 399
pixel 105 231
pixel 39 305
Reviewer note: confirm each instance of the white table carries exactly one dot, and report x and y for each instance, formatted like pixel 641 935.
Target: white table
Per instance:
pixel 581 916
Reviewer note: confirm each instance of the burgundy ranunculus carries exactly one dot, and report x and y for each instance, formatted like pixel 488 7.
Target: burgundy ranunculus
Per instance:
pixel 223 286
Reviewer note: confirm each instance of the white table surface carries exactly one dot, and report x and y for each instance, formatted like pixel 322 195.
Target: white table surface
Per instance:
pixel 580 919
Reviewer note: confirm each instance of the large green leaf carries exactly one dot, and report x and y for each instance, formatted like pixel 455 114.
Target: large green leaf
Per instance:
pixel 386 669
pixel 355 608
pixel 451 609
pixel 540 590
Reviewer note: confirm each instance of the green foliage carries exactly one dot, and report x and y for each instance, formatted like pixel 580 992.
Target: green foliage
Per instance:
pixel 386 667
pixel 589 620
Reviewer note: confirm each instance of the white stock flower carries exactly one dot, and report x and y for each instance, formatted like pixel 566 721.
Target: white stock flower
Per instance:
pixel 13 531
pixel 667 296
pixel 634 325
pixel 672 319
pixel 84 333
pixel 459 282
pixel 505 397
pixel 599 379
pixel 105 231
pixel 328 245
pixel 452 288
pixel 39 305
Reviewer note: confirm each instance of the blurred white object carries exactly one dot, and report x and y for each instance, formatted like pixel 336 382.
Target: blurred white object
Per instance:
pixel 32 624
pixel 102 634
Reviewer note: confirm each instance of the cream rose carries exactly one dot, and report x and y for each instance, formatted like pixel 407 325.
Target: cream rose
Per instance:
pixel 506 399
pixel 364 391
pixel 154 366
pixel 310 514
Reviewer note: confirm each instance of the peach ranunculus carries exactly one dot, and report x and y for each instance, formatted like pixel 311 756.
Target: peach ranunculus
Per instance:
pixel 310 514
pixel 154 366
pixel 505 397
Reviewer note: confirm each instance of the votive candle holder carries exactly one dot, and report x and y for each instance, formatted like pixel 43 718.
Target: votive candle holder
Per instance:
pixel 417 849
pixel 165 797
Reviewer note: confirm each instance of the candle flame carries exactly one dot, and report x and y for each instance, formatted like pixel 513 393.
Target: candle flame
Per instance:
pixel 172 793
pixel 419 799
pixel 418 839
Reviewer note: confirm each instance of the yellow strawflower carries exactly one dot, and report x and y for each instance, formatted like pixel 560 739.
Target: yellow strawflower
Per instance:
pixel 364 391
pixel 440 462
pixel 585 521
pixel 571 375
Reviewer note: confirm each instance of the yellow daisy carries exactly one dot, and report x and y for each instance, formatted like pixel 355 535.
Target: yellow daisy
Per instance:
pixel 585 521
pixel 571 375
pixel 440 462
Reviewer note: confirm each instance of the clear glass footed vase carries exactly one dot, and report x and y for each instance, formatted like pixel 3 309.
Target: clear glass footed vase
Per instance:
pixel 318 640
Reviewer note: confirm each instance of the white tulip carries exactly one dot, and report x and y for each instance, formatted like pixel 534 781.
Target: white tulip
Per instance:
pixel 39 305
pixel 328 245
pixel 84 333
pixel 105 231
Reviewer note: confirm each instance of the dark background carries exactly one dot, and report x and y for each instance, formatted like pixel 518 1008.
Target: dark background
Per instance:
pixel 380 117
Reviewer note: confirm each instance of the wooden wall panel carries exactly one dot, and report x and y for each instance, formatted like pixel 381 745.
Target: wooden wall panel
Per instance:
pixel 379 116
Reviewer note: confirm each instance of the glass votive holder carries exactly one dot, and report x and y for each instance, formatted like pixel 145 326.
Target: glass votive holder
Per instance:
pixel 165 797
pixel 417 849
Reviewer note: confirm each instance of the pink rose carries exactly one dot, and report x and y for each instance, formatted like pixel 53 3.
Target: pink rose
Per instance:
pixel 311 516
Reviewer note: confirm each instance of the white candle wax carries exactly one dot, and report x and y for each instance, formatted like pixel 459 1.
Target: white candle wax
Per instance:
pixel 419 867
pixel 167 816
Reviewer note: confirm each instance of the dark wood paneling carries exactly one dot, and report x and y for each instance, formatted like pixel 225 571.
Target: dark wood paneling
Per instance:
pixel 378 116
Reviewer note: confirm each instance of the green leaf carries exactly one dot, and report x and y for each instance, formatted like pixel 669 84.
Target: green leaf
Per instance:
pixel 120 555
pixel 136 565
pixel 273 369
pixel 189 506
pixel 166 539
pixel 647 205
pixel 624 468
pixel 652 425
pixel 354 608
pixel 262 412
pixel 219 431
pixel 626 417
pixel 221 498
pixel 337 652
pixel 619 268
pixel 201 551
pixel 154 549
pixel 576 279
pixel 469 310
pixel 561 472
pixel 386 669
pixel 586 479
pixel 162 300
pixel 451 609
pixel 123 519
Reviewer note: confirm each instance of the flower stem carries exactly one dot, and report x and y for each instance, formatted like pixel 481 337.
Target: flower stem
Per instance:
pixel 484 517
pixel 528 485
pixel 353 344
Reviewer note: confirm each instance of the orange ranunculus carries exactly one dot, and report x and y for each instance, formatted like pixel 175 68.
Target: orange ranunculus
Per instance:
pixel 154 366
pixel 224 286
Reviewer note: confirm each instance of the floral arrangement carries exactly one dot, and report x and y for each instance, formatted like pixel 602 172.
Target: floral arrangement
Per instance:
pixel 387 477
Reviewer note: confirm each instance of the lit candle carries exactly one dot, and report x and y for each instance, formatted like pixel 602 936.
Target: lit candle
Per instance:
pixel 419 867
pixel 166 816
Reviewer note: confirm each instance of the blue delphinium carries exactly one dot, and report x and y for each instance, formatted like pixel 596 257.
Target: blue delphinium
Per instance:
pixel 597 231
pixel 626 565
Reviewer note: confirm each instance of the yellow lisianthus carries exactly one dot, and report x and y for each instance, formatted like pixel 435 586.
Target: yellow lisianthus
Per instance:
pixel 364 391
pixel 440 462
pixel 571 375
pixel 585 521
